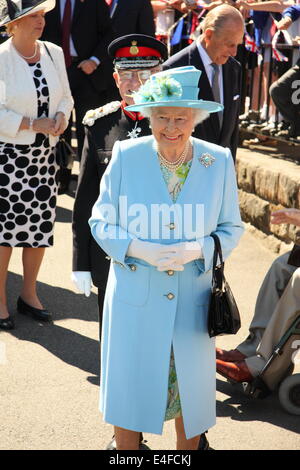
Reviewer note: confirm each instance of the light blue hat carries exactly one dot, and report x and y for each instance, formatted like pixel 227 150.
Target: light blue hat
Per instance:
pixel 176 87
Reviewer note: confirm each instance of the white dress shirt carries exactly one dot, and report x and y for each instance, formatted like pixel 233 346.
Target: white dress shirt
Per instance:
pixel 209 69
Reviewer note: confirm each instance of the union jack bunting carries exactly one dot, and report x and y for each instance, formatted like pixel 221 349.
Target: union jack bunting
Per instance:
pixel 276 54
pixel 250 43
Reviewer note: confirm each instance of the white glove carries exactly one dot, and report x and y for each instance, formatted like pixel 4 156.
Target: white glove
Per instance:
pixel 152 253
pixel 183 253
pixel 82 281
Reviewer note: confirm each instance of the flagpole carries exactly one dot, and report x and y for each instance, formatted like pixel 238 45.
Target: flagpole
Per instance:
pixel 169 31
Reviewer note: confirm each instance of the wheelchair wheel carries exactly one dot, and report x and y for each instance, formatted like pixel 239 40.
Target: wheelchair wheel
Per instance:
pixel 289 394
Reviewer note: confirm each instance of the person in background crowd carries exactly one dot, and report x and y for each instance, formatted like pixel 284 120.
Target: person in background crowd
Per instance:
pixel 284 91
pixel 264 16
pixel 132 17
pixel 135 58
pixel 35 107
pixel 157 360
pixel 212 53
pixel 83 29
pixel 277 307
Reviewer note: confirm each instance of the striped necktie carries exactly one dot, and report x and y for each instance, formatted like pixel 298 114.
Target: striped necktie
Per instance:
pixel 216 89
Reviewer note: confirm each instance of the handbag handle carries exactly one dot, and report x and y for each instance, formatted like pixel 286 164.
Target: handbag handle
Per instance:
pixel 218 270
pixel 49 54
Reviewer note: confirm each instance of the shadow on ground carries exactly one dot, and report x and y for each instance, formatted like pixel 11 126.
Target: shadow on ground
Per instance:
pixel 242 408
pixel 68 345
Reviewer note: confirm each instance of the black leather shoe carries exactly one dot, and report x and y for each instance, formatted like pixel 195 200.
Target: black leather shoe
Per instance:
pixel 203 443
pixel 7 323
pixel 113 446
pixel 37 313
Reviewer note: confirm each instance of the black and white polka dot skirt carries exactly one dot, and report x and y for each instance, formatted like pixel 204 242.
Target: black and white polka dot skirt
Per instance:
pixel 28 186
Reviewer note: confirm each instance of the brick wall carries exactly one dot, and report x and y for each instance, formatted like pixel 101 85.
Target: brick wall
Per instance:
pixel 267 184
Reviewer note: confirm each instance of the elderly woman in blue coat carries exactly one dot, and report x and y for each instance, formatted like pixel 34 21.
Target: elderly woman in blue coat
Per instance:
pixel 160 199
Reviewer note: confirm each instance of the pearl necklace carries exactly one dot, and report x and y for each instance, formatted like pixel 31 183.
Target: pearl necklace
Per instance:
pixel 24 56
pixel 173 166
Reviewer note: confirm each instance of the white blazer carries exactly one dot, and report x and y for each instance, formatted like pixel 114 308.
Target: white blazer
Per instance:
pixel 18 97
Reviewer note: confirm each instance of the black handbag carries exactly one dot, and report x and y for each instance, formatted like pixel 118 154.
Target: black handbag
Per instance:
pixel 64 154
pixel 223 314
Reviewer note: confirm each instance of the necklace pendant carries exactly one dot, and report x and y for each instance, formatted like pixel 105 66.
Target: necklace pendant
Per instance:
pixel 135 132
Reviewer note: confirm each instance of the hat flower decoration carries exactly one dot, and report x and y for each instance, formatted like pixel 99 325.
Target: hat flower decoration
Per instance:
pixel 174 87
pixel 158 88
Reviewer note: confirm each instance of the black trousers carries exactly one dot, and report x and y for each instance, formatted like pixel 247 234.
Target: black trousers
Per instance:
pixel 85 97
pixel 285 93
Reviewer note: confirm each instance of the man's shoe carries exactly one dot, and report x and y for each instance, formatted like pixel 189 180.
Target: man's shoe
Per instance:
pixel 203 443
pixel 234 371
pixel 234 355
pixel 37 313
pixel 113 446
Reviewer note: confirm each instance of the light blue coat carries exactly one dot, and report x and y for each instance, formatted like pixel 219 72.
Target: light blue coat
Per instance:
pixel 141 321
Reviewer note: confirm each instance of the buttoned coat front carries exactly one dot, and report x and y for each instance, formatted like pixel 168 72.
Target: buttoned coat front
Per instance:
pixel 147 311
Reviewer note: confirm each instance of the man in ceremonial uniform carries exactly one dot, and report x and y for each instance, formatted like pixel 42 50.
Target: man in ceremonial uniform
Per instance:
pixel 136 57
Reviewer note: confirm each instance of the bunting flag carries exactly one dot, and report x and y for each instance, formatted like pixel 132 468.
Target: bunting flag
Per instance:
pixel 250 43
pixel 177 36
pixel 276 54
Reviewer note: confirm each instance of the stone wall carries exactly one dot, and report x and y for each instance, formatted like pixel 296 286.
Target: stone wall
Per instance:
pixel 267 184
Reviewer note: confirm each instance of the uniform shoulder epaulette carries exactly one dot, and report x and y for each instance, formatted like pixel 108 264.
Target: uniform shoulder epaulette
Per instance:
pixel 93 114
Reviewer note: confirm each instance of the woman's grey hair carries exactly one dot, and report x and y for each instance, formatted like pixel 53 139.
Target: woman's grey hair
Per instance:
pixel 199 114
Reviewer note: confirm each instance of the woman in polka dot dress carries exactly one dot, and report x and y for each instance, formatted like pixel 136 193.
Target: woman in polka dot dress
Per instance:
pixel 35 107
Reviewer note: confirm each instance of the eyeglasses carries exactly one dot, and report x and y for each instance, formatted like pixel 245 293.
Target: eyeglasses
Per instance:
pixel 142 75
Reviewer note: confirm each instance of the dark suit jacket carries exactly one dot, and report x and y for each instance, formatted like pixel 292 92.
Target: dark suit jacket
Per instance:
pixel 91 32
pixel 210 129
pixel 97 149
pixel 133 16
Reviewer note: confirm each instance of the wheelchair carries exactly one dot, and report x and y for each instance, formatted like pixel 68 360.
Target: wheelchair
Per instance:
pixel 288 385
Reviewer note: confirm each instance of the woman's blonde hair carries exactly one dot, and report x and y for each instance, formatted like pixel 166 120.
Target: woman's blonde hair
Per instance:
pixel 10 27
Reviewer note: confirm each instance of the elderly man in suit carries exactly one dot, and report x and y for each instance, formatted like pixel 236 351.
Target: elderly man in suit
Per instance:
pixel 84 30
pixel 213 53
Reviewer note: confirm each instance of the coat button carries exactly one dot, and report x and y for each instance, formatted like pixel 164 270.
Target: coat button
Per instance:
pixel 170 296
pixel 133 267
pixel 105 159
pixel 170 272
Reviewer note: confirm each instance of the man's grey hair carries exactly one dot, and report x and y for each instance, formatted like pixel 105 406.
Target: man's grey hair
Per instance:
pixel 218 17
pixel 199 114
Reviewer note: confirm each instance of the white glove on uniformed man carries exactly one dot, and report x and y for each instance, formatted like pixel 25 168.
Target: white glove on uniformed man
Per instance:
pixel 82 281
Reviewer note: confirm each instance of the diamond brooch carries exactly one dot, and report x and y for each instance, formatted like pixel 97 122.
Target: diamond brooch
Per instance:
pixel 206 159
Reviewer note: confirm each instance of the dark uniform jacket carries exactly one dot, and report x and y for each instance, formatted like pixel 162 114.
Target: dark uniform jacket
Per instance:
pixel 209 129
pixel 99 141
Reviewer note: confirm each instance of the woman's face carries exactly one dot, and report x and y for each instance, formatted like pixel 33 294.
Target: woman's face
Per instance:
pixel 31 25
pixel 172 126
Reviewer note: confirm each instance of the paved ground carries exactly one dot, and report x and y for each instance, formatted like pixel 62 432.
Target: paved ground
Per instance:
pixel 49 374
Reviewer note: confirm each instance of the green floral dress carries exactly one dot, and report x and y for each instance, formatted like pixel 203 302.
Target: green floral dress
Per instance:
pixel 174 181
